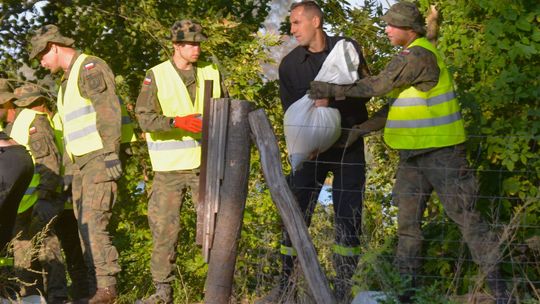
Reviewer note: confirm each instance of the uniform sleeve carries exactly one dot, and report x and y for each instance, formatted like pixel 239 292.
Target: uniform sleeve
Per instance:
pixel 96 82
pixel 47 157
pixel 409 68
pixel 148 110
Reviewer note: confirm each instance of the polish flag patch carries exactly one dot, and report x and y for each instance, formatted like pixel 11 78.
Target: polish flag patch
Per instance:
pixel 89 66
pixel 32 130
pixel 147 81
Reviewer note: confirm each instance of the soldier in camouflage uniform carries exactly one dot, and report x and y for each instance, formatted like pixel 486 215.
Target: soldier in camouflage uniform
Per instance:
pixel 423 122
pixel 91 119
pixel 168 109
pixel 38 135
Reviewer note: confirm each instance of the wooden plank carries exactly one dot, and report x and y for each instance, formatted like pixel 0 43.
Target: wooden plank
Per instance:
pixel 215 159
pixel 204 148
pixel 233 194
pixel 217 150
pixel 210 189
pixel 288 207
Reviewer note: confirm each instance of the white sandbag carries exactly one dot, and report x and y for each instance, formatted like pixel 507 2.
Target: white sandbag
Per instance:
pixel 341 65
pixel 309 129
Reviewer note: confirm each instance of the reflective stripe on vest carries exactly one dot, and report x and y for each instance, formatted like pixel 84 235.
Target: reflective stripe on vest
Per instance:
pixel 346 251
pixel 21 134
pixel 128 134
pixel 179 149
pixel 419 120
pixel 290 251
pixel 78 116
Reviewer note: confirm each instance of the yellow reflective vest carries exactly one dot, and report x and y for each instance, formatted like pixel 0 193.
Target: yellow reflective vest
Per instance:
pixel 21 134
pixel 78 116
pixel 419 120
pixel 179 149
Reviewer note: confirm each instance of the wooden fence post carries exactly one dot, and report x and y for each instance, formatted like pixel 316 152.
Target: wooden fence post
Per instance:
pixel 288 207
pixel 232 201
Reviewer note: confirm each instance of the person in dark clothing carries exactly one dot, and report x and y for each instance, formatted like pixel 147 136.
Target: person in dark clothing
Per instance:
pixel 16 171
pixel 296 71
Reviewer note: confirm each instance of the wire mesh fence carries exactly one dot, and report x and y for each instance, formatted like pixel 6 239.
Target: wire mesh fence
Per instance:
pixel 505 197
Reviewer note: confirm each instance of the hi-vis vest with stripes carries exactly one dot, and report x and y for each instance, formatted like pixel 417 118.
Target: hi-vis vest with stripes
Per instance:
pixel 78 116
pixel 179 149
pixel 21 134
pixel 419 120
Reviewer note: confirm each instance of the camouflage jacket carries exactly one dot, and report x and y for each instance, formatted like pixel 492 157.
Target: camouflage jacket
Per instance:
pixel 411 67
pixel 414 66
pixel 46 156
pixel 96 82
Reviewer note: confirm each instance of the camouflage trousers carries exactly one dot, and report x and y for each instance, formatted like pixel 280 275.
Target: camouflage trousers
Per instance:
pixel 38 259
pixel 94 194
pixel 166 197
pixel 446 171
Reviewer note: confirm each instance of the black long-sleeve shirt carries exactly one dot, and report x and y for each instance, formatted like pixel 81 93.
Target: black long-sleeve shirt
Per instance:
pixel 300 67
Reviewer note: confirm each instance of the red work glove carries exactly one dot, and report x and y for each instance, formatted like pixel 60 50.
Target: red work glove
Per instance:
pixel 191 123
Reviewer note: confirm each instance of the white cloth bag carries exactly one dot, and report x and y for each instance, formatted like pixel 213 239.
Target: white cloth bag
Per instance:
pixel 309 129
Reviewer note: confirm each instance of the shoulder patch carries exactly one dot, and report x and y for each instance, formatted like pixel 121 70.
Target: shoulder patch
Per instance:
pixel 89 66
pixel 147 81
pixel 32 130
pixel 405 52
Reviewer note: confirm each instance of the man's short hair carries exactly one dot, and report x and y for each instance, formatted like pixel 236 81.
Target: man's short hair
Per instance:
pixel 309 6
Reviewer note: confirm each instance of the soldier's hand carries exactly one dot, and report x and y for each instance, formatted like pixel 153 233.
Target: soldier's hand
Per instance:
pixel 191 123
pixel 44 211
pixel 346 140
pixel 113 166
pixel 321 90
pixel 322 102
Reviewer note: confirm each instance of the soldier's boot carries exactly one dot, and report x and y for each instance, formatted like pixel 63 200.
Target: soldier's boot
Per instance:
pixel 283 292
pixel 105 295
pixel 498 288
pixel 163 295
pixel 345 267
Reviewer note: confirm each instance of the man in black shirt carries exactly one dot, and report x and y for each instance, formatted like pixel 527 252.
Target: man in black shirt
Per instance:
pixel 16 170
pixel 296 71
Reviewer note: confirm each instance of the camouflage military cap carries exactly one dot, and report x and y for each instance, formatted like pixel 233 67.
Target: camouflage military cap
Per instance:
pixel 405 14
pixel 46 34
pixel 28 94
pixel 6 92
pixel 187 30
